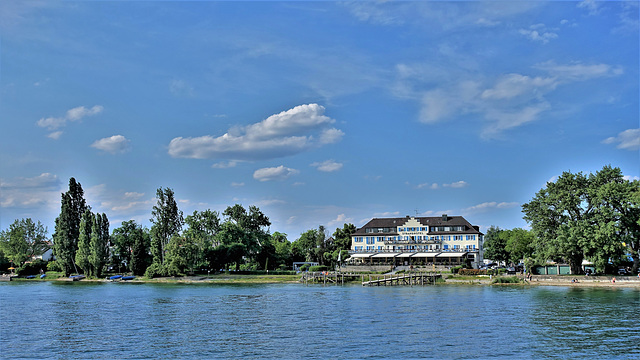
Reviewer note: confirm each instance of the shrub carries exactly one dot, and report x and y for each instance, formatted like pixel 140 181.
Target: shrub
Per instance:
pixel 304 267
pixel 472 272
pixel 455 269
pixel 32 268
pixel 506 280
pixel 54 266
pixel 319 268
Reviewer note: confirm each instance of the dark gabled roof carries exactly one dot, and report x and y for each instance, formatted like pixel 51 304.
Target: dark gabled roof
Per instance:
pixel 426 221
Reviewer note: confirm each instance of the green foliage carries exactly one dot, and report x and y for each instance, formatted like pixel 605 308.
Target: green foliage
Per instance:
pixel 318 268
pixel 304 267
pixel 54 266
pixel 32 268
pixel 506 280
pixel 99 245
pixel 167 222
pixel 495 244
pixel 67 231
pixel 456 269
pixel 23 240
pixel 580 216
pixel 84 241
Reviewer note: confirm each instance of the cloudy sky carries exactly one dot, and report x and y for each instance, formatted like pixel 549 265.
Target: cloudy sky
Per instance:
pixel 319 113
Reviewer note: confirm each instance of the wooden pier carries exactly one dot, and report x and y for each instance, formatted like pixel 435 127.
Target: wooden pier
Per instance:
pixel 410 279
pixel 336 278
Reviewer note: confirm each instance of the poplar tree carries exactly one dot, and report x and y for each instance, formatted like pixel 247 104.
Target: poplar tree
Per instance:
pixel 67 230
pixel 167 221
pixel 84 241
pixel 99 244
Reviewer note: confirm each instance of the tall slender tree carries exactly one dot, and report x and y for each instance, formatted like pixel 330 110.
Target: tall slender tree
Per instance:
pixel 67 231
pixel 84 242
pixel 167 221
pixel 99 244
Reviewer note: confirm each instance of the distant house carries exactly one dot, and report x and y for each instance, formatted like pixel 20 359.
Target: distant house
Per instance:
pixel 445 240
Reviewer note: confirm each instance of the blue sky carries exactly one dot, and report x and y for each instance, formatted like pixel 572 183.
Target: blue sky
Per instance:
pixel 319 113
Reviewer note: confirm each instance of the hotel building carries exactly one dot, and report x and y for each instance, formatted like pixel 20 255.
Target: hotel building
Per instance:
pixel 445 240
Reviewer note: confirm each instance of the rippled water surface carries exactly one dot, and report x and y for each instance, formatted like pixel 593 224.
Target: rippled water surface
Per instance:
pixel 65 320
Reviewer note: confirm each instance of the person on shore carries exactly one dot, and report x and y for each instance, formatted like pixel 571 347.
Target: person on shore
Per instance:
pixel 613 280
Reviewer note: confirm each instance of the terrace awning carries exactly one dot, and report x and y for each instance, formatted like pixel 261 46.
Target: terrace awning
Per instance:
pixel 426 254
pixel 405 255
pixel 452 254
pixel 355 256
pixel 385 255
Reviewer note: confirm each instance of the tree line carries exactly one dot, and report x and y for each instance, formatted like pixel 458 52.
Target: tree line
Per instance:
pixel 594 217
pixel 238 238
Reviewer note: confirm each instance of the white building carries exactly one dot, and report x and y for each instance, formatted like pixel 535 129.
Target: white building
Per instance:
pixel 445 240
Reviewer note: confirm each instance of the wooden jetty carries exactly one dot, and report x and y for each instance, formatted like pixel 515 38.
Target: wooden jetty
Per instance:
pixel 409 279
pixel 338 278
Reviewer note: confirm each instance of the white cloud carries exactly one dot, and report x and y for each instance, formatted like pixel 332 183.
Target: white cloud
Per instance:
pixel 631 178
pixel 627 140
pixel 590 5
pixel 327 166
pixel 55 135
pixel 224 165
pixel 341 219
pixel 457 184
pixel 114 144
pixel 436 186
pixel 75 114
pixel 505 102
pixel 237 184
pixel 387 214
pixel 512 85
pixel 287 133
pixel 578 71
pixel 274 173
pixel 539 33
pixel 34 192
pixel 489 206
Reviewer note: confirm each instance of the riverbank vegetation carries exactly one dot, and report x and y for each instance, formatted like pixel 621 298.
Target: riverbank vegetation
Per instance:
pixel 205 242
pixel 577 217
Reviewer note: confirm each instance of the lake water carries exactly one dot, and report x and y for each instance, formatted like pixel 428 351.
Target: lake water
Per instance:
pixel 66 320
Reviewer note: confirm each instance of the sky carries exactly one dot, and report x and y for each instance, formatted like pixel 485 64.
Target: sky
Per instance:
pixel 318 113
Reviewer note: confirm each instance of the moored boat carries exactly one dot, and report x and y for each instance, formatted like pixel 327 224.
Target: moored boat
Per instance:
pixel 128 278
pixel 115 277
pixel 76 277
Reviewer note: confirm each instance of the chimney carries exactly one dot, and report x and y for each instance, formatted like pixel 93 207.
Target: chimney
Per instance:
pixel 445 217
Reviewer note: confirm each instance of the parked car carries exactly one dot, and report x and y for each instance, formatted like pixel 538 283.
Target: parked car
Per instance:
pixel 623 272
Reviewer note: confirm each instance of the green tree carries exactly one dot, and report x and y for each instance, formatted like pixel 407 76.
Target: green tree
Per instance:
pixel 123 238
pixel 579 216
pixel 99 244
pixel 282 249
pixel 201 230
pixel 167 222
pixel 253 222
pixel 67 230
pixel 518 245
pixel 494 245
pixel 84 241
pixel 23 240
pixel 140 257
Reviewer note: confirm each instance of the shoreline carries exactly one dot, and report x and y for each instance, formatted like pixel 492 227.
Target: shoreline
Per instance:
pixel 226 279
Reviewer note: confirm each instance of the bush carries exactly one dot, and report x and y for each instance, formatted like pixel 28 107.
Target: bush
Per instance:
pixel 319 268
pixel 506 280
pixel 54 266
pixel 472 272
pixel 455 269
pixel 32 268
pixel 304 267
